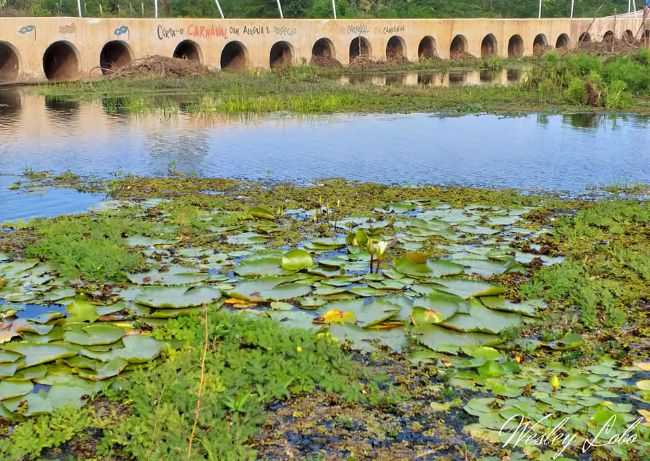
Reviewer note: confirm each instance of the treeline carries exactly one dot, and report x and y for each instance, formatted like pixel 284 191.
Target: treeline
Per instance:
pixel 317 8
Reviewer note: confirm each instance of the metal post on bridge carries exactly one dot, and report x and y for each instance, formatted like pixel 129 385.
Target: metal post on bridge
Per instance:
pixel 155 8
pixel 573 4
pixel 219 8
pixel 280 9
pixel 79 8
pixel 540 9
pixel 334 8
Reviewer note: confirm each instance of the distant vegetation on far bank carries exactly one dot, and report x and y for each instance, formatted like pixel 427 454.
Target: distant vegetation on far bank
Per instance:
pixel 317 8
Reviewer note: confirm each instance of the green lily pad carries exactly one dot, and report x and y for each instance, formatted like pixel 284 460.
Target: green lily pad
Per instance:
pixel 94 334
pixel 269 265
pixel 470 288
pixel 444 340
pixel 177 297
pixel 482 319
pixel 296 260
pixel 442 268
pixel 35 354
pixel 10 389
pixel 81 310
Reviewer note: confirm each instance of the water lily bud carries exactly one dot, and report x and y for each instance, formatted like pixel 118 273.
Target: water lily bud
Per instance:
pixel 298 349
pixel 555 382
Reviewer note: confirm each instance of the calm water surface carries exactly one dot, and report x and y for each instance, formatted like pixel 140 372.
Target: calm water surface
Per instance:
pixel 568 153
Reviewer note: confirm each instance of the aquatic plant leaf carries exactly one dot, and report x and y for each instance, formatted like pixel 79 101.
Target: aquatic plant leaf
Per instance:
pixel 482 319
pixel 10 389
pixel 269 289
pixel 365 340
pixel 8 357
pixel 482 352
pixel 444 340
pixel 35 354
pixel 296 260
pixel 35 372
pixel 262 213
pixel 176 275
pixel 108 370
pixel 7 370
pixel 644 384
pixel 81 310
pixel 138 349
pixel 93 335
pixel 437 307
pixel 442 268
pixel 269 265
pixel 337 316
pixel 527 308
pixel 177 297
pixel 470 288
pixel 412 264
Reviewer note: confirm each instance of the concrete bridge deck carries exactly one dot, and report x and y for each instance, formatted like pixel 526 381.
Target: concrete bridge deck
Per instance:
pixel 39 49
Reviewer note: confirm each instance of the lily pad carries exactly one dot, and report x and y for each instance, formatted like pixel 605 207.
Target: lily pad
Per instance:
pixel 296 260
pixel 93 335
pixel 177 297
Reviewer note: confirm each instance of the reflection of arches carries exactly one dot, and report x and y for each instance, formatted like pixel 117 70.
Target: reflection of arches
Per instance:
pixel 9 62
pixel 562 41
pixel 323 48
pixel 281 55
pixel 395 49
pixel 584 38
pixel 488 46
pixel 515 47
pixel 608 37
pixel 458 47
pixel 539 45
pixel 61 61
pixel 114 55
pixel 646 36
pixel 359 48
pixel 188 49
pixel 628 36
pixel 427 48
pixel 234 56
pixel 10 106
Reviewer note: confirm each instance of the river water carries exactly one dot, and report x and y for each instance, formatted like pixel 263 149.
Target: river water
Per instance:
pixel 561 153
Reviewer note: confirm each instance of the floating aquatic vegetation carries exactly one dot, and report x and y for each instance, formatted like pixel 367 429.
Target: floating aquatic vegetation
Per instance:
pixel 345 283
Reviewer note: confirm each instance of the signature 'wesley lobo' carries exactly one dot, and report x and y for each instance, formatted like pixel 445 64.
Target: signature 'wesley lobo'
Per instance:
pixel 526 432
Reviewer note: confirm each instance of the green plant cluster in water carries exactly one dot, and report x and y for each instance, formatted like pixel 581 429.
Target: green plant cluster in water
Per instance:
pixel 590 80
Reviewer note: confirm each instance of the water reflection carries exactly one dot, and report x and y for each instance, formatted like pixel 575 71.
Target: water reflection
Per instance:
pixel 552 152
pixel 455 77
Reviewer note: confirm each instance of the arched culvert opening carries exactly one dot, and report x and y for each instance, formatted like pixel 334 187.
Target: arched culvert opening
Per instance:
pixel 540 45
pixel 9 63
pixel 281 55
pixel 234 57
pixel 359 48
pixel 323 51
pixel 562 42
pixel 584 38
pixel 61 62
pixel 187 49
pixel 396 49
pixel 488 46
pixel 515 47
pixel 458 47
pixel 114 56
pixel 628 36
pixel 427 49
pixel 608 37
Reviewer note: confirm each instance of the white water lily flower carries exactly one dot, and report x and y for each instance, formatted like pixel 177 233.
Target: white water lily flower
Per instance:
pixel 377 248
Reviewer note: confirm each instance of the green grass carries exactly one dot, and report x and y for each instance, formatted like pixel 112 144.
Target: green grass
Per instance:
pixel 607 271
pixel 92 247
pixel 555 84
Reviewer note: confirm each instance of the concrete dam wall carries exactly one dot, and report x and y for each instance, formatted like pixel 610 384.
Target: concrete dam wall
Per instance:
pixel 39 49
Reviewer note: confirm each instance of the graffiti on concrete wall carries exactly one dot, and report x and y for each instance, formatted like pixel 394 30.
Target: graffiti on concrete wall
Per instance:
pixel 214 32
pixel 206 32
pixel 356 29
pixel 394 29
pixel 122 31
pixel 28 29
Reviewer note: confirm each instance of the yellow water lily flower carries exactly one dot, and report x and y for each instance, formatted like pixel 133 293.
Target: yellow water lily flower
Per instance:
pixel 555 382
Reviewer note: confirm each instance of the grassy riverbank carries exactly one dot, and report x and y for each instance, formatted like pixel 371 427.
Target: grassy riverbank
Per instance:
pixel 571 83
pixel 272 323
